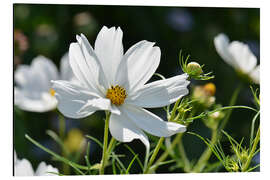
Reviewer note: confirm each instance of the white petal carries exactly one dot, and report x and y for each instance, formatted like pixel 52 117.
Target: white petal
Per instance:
pixel 34 85
pixel 124 130
pixel 81 70
pixel 255 75
pixel 34 101
pixel 93 63
pixel 109 49
pixel 98 104
pixel 23 168
pixel 65 69
pixel 37 76
pixel 221 42
pixel 45 170
pixel 244 58
pixel 138 65
pixel 43 64
pixel 71 98
pixel 151 123
pixel 160 93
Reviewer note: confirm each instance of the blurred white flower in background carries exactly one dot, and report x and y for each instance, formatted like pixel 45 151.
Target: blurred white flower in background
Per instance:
pixel 239 56
pixel 24 168
pixel 33 91
pixel 115 81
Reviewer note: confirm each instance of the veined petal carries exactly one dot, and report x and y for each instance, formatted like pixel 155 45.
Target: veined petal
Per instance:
pixel 124 130
pixel 160 93
pixel 109 49
pixel 23 168
pixel 81 70
pixel 93 63
pixel 151 123
pixel 255 75
pixel 244 58
pixel 138 65
pixel 71 98
pixel 45 170
pixel 221 42
pixel 97 104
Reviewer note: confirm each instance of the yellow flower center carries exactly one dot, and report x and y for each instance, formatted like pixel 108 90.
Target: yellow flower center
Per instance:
pixel 116 94
pixel 52 91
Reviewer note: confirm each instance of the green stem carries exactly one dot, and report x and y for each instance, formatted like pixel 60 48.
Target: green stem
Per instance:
pixel 166 153
pixel 62 129
pixel 252 128
pixel 58 157
pixel 161 140
pixel 206 154
pixel 254 146
pixel 184 156
pixel 62 126
pixel 232 102
pixel 105 143
pixel 111 146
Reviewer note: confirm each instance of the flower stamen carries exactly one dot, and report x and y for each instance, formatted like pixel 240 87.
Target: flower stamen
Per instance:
pixel 116 94
pixel 52 92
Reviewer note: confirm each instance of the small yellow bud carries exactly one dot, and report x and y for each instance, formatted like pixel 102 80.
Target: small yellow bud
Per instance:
pixel 194 69
pixel 210 88
pixel 75 140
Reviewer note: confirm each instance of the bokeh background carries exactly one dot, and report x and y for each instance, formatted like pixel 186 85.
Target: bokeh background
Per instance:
pixel 49 29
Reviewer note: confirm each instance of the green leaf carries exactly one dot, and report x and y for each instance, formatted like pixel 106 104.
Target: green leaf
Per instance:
pixel 60 158
pixel 96 140
pixel 130 164
pixel 137 158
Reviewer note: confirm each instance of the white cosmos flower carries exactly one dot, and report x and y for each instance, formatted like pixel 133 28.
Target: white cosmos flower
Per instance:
pixel 115 81
pixel 34 92
pixel 24 168
pixel 239 56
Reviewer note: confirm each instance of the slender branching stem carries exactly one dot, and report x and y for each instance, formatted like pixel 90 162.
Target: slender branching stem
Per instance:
pixel 251 153
pixel 206 154
pixel 153 157
pixel 183 155
pixel 161 140
pixel 105 143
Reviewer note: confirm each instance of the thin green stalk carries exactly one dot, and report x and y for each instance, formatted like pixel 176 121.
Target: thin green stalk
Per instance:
pixel 62 126
pixel 154 155
pixel 182 152
pixel 166 153
pixel 251 153
pixel 232 102
pixel 161 140
pixel 105 143
pixel 111 146
pixel 58 157
pixel 206 154
pixel 62 129
pixel 252 128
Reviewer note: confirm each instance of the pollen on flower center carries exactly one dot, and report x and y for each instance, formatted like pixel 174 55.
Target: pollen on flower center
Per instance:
pixel 116 94
pixel 52 92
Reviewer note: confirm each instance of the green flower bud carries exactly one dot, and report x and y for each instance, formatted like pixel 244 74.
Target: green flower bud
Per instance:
pixel 231 165
pixel 244 156
pixel 194 69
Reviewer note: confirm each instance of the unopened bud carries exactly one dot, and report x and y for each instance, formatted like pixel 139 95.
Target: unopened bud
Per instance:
pixel 210 88
pixel 194 69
